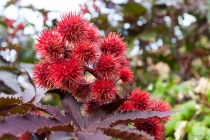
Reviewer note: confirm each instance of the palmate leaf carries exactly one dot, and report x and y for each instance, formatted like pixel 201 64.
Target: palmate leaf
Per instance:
pixel 16 104
pixel 31 81
pixel 72 108
pixel 103 116
pixel 61 136
pixel 9 99
pixel 52 110
pixel 10 103
pixel 86 126
pixel 105 110
pixel 17 125
pixel 124 132
pixel 33 94
pixel 127 116
pixel 97 135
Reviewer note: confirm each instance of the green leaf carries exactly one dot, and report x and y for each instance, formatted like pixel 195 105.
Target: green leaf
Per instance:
pixel 160 88
pixel 181 88
pixel 206 120
pixel 169 126
pixel 208 10
pixel 133 7
pixel 189 108
pixel 208 95
pixel 148 36
pixel 10 2
pixel 197 128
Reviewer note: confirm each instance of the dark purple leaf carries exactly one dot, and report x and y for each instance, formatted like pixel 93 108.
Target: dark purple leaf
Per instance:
pixel 57 91
pixel 104 110
pixel 108 109
pixel 127 116
pixel 124 132
pixel 7 107
pixel 31 81
pixel 11 104
pixel 17 125
pixel 61 136
pixel 97 135
pixel 52 110
pixel 9 99
pixel 72 108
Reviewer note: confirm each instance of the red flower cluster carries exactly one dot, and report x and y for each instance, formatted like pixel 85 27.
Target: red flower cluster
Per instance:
pixel 151 126
pixel 74 48
pixel 140 100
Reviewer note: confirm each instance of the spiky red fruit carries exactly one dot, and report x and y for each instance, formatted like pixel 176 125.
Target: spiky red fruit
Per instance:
pixel 82 92
pixel 161 106
pixel 107 66
pixel 90 106
pixel 42 74
pixel 73 27
pixel 85 51
pixel 123 62
pixel 140 99
pixel 126 75
pixel 113 44
pixel 50 45
pixel 104 91
pixel 92 33
pixel 151 126
pixel 66 74
pixel 127 105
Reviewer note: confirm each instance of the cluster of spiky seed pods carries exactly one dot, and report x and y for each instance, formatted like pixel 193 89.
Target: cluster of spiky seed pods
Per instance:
pixel 74 48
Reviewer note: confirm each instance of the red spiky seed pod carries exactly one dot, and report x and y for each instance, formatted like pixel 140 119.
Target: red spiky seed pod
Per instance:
pixel 161 106
pixel 66 74
pixel 49 45
pixel 123 62
pixel 140 99
pixel 42 74
pixel 73 27
pixel 90 106
pixel 127 106
pixel 107 66
pixel 104 91
pixel 113 44
pixel 151 126
pixel 82 92
pixel 92 33
pixel 85 52
pixel 126 75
